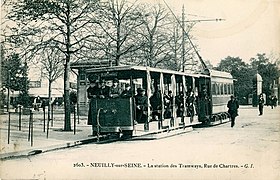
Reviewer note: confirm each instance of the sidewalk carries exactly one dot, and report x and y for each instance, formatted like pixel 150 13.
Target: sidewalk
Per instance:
pixel 57 138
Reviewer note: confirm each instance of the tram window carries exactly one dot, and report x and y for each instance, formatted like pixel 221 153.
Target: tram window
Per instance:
pixel 231 88
pixel 213 89
pixel 82 77
pixel 225 89
pixel 222 89
pixel 218 89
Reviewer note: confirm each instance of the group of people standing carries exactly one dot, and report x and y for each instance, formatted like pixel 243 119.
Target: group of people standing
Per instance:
pixel 99 89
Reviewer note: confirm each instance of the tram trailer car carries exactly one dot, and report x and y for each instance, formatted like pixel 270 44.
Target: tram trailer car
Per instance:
pixel 118 115
pixel 220 89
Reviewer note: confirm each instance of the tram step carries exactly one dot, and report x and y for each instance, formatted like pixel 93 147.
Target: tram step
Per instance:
pixel 181 124
pixel 165 127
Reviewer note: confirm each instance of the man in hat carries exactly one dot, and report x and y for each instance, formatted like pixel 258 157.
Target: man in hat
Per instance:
pixel 127 92
pixel 103 90
pixel 233 106
pixel 115 90
pixel 141 102
pixel 93 89
pixel 261 104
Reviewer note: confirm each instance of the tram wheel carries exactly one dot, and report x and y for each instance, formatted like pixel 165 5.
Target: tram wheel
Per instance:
pixel 127 134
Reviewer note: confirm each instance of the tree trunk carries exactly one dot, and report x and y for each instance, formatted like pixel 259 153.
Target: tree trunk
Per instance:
pixel 49 98
pixel 67 110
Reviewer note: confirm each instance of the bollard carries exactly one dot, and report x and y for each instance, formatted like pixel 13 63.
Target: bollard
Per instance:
pixel 31 115
pixel 74 119
pixel 52 114
pixel 44 110
pixel 9 127
pixel 78 114
pixel 48 125
pixel 19 119
pixel 29 126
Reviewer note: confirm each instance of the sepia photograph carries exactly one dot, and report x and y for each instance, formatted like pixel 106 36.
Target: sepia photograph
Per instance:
pixel 140 89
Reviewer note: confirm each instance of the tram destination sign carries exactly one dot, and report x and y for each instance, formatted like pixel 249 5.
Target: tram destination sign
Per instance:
pixel 109 74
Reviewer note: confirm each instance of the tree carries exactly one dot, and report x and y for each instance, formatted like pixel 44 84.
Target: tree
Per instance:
pixel 119 23
pixel 14 77
pixel 267 69
pixel 156 35
pixel 56 24
pixel 52 69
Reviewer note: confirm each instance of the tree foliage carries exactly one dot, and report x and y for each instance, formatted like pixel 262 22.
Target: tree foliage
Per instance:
pixel 244 73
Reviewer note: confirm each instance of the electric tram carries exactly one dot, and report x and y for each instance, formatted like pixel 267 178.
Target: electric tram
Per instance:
pixel 183 99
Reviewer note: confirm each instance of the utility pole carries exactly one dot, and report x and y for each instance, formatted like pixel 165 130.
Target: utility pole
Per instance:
pixel 183 39
pixel 182 25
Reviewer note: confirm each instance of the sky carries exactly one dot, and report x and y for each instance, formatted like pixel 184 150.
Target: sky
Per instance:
pixel 250 27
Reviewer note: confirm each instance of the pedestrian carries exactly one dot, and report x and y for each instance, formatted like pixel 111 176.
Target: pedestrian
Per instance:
pixel 233 106
pixel 37 103
pixel 274 102
pixel 261 103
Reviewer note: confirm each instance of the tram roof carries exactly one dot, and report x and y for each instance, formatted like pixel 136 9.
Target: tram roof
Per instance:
pixel 215 73
pixel 141 68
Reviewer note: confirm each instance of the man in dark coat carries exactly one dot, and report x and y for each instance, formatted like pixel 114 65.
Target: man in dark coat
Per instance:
pixel 141 101
pixel 93 89
pixel 233 106
pixel 92 93
pixel 261 104
pixel 155 102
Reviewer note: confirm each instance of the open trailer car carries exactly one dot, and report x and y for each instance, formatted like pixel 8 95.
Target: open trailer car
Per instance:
pixel 193 99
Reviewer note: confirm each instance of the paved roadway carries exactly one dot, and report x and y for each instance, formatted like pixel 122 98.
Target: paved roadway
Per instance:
pixel 250 150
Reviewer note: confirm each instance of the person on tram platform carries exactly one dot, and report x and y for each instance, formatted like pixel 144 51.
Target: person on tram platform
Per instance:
pixel 141 102
pixel 92 91
pixel 103 90
pixel 190 104
pixel 155 101
pixel 127 92
pixel 179 103
pixel 115 90
pixel 168 98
